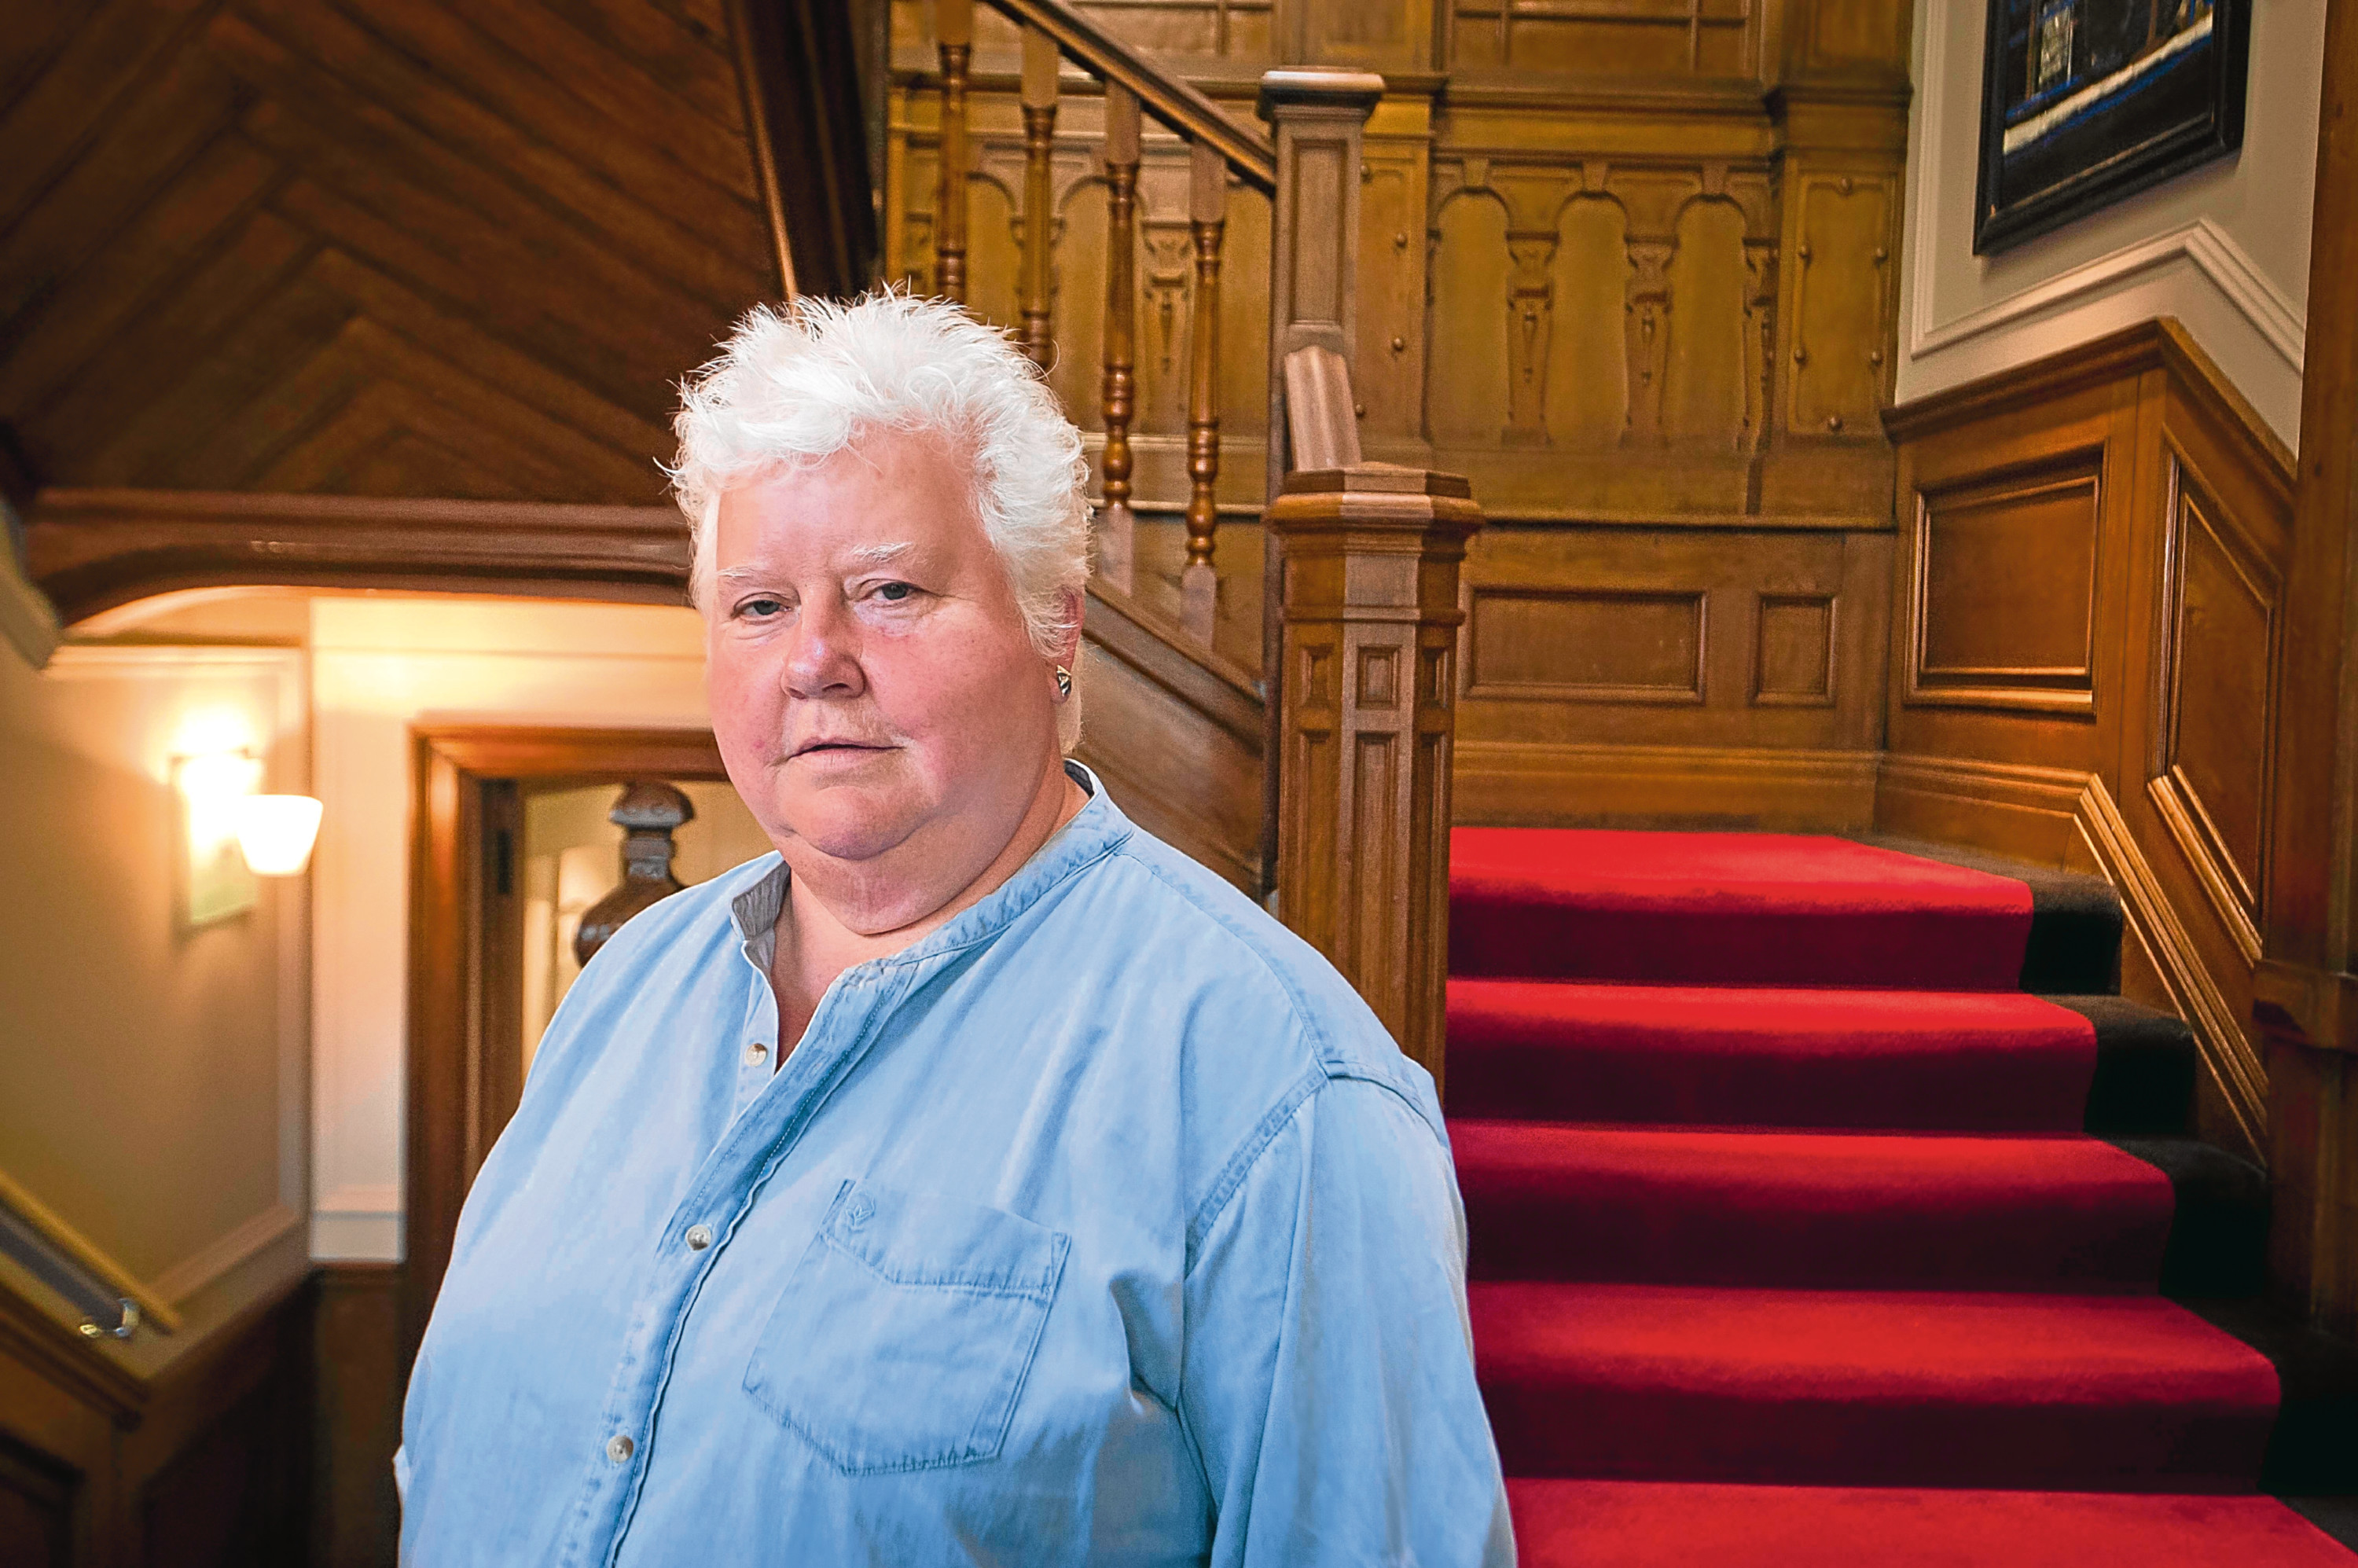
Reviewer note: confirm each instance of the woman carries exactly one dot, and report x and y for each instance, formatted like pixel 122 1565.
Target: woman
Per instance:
pixel 977 1179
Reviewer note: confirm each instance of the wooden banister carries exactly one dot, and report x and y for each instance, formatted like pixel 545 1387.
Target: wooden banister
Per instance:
pixel 1176 103
pixel 1207 215
pixel 1116 552
pixel 1219 149
pixel 1039 191
pixel 1368 554
pixel 953 39
pixel 84 1254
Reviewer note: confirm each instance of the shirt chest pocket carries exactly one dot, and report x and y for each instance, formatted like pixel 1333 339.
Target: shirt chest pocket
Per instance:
pixel 908 1328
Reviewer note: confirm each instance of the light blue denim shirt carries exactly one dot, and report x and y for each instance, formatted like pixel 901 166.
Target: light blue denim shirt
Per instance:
pixel 1105 1225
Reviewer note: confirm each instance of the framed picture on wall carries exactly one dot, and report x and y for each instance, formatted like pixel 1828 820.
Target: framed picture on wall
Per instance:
pixel 2085 101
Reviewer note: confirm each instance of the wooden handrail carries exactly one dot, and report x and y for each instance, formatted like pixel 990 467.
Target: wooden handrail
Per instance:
pixel 45 1223
pixel 1177 104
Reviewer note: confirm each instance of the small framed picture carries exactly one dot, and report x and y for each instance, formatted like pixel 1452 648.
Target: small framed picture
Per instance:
pixel 2085 101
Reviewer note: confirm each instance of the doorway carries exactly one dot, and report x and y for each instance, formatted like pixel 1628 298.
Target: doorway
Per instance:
pixel 511 844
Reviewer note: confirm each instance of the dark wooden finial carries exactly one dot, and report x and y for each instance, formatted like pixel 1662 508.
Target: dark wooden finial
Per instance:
pixel 647 813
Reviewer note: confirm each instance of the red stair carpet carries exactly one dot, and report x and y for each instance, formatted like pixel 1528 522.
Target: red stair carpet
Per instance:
pixel 1788 1245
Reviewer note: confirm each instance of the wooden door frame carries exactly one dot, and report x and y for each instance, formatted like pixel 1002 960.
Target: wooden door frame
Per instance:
pixel 464 816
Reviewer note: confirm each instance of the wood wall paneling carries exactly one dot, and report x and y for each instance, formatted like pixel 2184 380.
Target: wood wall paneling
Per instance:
pixel 1584 645
pixel 1691 677
pixel 358 1372
pixel 1647 37
pixel 204 1465
pixel 2002 600
pixel 2087 670
pixel 1794 657
pixel 2217 647
pixel 2061 455
pixel 1178 735
pixel 38 1505
pixel 1578 250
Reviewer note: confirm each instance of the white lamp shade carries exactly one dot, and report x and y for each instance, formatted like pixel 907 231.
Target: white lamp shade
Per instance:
pixel 276 832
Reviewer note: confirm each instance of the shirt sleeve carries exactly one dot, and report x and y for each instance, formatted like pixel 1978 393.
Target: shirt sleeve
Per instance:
pixel 1328 1384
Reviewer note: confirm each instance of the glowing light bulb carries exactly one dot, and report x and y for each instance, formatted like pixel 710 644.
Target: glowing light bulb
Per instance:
pixel 276 832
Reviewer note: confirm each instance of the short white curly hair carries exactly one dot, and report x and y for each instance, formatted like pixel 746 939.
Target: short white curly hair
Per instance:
pixel 793 387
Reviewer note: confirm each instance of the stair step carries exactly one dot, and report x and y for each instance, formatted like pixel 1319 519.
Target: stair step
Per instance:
pixel 1728 1055
pixel 2145 1063
pixel 1654 1383
pixel 1660 1524
pixel 2314 1450
pixel 1842 1210
pixel 1728 908
pixel 2219 1226
pixel 2075 918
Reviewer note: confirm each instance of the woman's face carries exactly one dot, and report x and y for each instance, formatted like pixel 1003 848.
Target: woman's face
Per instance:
pixel 876 698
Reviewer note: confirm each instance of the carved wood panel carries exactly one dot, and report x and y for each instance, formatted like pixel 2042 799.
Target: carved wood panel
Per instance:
pixel 1793 662
pixel 2001 608
pixel 1658 637
pixel 1840 33
pixel 36 1508
pixel 1651 38
pixel 1844 288
pixel 1584 645
pixel 2217 654
pixel 1635 300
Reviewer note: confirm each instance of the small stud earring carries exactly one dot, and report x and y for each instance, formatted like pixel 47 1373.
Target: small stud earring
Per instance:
pixel 1064 682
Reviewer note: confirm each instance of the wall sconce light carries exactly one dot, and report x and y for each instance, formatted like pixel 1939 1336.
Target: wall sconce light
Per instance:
pixel 215 883
pixel 276 832
pixel 234 835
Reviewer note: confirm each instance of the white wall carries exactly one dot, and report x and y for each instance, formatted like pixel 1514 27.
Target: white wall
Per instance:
pixel 381 664
pixel 2225 249
pixel 152 1076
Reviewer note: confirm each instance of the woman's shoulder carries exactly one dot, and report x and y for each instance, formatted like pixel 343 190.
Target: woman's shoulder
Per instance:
pixel 1191 933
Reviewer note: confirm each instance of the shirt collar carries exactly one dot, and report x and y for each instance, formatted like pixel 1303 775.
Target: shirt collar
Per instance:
pixel 1095 829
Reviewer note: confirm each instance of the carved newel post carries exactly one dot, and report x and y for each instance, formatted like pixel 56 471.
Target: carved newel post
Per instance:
pixel 647 813
pixel 1370 556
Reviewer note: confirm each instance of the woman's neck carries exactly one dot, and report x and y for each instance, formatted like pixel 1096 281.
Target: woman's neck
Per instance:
pixel 815 945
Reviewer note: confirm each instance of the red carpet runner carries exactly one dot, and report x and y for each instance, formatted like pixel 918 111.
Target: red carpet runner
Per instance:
pixel 1787 1245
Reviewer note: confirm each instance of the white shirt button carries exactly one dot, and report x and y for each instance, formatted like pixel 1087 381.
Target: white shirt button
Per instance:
pixel 698 1238
pixel 619 1448
pixel 756 1051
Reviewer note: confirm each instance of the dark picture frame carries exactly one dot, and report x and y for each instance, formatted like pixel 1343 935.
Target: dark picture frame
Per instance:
pixel 2084 102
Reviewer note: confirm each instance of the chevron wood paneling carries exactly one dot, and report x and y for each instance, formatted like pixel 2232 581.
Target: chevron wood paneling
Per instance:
pixel 371 247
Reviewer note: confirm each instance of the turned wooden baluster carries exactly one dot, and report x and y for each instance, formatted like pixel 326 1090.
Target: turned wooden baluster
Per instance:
pixel 1208 216
pixel 1039 91
pixel 954 36
pixel 1115 528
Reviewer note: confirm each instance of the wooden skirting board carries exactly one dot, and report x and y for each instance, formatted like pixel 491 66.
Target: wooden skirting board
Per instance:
pixel 2059 817
pixel 1507 783
pixel 2229 1055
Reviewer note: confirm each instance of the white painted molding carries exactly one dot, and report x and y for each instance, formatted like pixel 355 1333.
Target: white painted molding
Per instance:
pixel 199 1269
pixel 2208 248
pixel 379 1200
pixel 360 1220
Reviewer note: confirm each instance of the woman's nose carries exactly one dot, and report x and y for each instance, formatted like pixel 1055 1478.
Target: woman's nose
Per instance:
pixel 822 660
